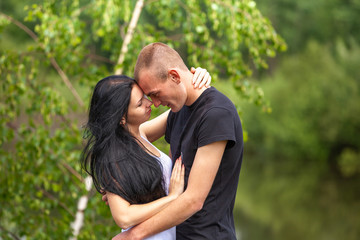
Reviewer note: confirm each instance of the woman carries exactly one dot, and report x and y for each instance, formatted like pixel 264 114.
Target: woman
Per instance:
pixel 120 157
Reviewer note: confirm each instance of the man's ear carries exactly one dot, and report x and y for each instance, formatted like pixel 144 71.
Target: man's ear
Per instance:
pixel 174 76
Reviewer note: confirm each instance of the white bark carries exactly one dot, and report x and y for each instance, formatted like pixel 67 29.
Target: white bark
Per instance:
pixel 79 218
pixel 129 34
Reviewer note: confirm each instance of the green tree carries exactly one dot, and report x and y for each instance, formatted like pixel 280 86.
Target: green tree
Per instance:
pixel 46 84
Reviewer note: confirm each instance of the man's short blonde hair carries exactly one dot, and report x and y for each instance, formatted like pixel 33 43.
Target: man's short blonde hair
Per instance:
pixel 159 57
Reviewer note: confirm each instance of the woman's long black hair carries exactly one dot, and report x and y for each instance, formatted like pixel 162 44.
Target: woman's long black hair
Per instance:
pixel 112 156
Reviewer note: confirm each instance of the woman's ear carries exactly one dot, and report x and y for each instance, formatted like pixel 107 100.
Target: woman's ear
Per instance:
pixel 123 121
pixel 174 76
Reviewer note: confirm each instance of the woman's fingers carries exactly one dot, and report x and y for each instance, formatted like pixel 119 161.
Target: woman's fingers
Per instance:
pixel 175 174
pixel 196 75
pixel 182 174
pixel 178 168
pixel 175 169
pixel 177 178
pixel 206 80
pixel 200 77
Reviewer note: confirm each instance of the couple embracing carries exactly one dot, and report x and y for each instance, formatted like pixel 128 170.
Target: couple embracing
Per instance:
pixel 188 194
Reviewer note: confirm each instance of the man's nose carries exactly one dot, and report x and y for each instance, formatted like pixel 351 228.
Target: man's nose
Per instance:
pixel 156 102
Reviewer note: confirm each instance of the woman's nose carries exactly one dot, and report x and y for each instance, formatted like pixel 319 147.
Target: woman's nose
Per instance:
pixel 149 102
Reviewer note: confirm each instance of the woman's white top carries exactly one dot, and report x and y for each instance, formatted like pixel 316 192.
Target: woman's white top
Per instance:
pixel 166 163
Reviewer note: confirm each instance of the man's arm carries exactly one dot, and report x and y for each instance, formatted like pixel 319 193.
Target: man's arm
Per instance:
pixel 201 178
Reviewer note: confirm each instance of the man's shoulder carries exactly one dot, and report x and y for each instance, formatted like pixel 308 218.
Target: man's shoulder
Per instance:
pixel 212 100
pixel 217 99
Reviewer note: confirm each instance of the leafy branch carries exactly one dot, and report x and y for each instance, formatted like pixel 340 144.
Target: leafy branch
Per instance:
pixel 52 59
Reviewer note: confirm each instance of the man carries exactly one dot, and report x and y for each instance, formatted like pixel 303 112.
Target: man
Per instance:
pixel 205 129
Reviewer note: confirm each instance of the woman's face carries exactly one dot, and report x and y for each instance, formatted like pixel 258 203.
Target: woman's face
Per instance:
pixel 139 108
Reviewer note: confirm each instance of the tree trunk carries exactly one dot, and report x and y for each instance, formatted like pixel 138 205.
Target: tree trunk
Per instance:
pixel 136 14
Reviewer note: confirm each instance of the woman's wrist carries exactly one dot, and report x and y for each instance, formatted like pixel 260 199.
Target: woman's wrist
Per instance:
pixel 172 197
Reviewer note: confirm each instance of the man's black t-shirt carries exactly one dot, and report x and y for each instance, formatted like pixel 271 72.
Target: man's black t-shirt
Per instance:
pixel 211 118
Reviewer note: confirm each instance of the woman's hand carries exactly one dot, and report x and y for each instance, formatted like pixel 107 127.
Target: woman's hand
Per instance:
pixel 177 179
pixel 201 77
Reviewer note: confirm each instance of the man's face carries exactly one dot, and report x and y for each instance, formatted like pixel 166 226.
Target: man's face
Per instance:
pixel 162 92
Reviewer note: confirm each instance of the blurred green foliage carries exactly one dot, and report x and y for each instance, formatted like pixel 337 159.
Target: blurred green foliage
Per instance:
pixel 302 161
pixel 320 20
pixel 301 174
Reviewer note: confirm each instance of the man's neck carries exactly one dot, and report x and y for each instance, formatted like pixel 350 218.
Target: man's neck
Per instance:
pixel 192 93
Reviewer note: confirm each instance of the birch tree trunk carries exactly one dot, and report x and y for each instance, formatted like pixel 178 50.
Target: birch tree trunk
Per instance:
pixel 135 17
pixel 82 203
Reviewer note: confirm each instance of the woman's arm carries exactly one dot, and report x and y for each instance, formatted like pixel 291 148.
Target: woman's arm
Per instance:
pixel 155 128
pixel 127 215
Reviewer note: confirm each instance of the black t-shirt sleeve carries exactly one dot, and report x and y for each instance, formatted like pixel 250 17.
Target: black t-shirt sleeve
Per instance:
pixel 217 125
